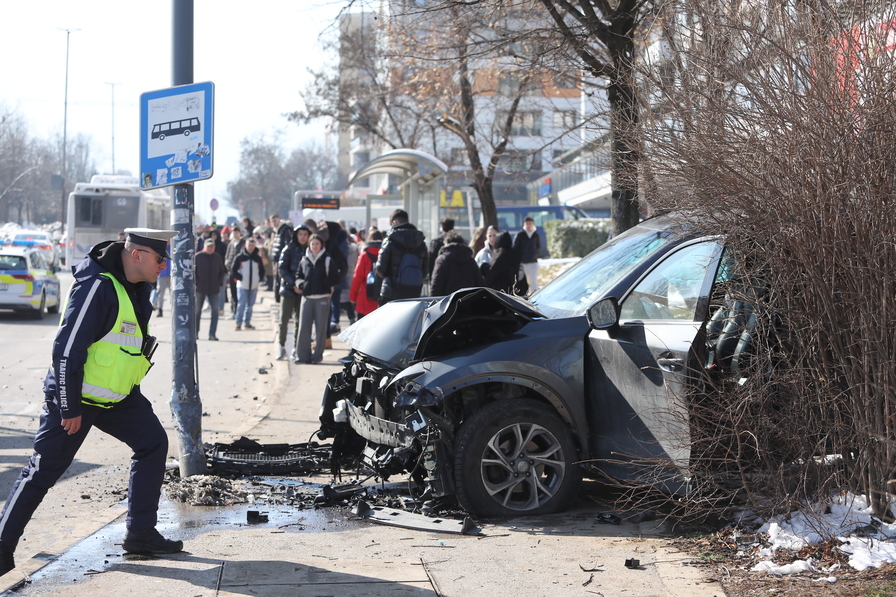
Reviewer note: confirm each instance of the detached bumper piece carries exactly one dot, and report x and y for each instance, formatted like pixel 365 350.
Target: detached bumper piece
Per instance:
pixel 248 457
pixel 410 520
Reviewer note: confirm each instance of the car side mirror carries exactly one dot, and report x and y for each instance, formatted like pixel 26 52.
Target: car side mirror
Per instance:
pixel 604 314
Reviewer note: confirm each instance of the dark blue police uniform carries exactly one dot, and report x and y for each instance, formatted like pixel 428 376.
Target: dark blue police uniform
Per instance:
pixel 90 314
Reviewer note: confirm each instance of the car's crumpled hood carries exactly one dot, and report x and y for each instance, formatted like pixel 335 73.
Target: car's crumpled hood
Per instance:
pixel 403 331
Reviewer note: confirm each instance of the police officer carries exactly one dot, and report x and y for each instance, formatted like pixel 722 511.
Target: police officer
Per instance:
pixel 101 353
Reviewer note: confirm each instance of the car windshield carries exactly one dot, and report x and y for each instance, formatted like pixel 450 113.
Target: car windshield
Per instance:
pixel 583 284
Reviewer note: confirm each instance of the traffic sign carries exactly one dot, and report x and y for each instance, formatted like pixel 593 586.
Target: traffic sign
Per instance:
pixel 213 204
pixel 176 134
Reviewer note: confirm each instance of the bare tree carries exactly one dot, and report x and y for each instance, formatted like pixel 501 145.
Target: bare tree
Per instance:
pixel 444 74
pixel 27 169
pixel 775 127
pixel 313 167
pixel 605 36
pixel 356 91
pixel 262 187
pixel 268 177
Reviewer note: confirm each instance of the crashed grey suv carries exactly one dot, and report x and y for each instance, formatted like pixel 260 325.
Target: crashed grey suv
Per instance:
pixel 504 403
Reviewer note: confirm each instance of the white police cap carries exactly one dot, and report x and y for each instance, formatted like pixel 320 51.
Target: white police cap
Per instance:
pixel 157 240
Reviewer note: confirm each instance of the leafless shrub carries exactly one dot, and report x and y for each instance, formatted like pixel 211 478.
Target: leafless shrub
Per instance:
pixel 775 124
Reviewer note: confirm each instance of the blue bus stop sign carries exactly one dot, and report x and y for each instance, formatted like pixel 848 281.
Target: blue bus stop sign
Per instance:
pixel 176 134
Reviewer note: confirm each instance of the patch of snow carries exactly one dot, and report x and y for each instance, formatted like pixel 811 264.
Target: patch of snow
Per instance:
pixel 846 514
pixel 794 568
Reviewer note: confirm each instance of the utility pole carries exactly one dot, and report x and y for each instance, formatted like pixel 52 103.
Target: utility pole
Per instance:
pixel 186 407
pixel 113 125
pixel 68 33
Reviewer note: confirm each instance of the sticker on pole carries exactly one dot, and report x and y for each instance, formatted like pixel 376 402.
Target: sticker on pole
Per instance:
pixel 176 135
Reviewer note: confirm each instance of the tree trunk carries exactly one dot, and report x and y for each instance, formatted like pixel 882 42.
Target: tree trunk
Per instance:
pixel 624 115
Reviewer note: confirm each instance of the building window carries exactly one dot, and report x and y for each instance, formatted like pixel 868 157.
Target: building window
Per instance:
pixel 360 158
pixel 520 161
pixel 555 155
pixel 509 84
pixel 565 119
pixel 525 123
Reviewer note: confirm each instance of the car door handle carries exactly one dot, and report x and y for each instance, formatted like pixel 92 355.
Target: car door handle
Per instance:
pixel 670 364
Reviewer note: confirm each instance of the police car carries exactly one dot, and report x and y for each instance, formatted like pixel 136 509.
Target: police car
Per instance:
pixel 27 283
pixel 38 240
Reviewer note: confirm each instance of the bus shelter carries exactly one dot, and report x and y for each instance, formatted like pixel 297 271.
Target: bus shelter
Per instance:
pixel 420 178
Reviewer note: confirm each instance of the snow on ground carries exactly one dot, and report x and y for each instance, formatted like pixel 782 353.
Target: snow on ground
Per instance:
pixel 869 542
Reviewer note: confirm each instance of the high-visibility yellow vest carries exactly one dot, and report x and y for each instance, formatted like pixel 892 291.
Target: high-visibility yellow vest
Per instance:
pixel 115 363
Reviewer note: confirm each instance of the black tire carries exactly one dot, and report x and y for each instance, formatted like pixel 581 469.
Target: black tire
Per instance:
pixel 38 314
pixel 54 310
pixel 497 474
pixel 187 133
pixel 161 137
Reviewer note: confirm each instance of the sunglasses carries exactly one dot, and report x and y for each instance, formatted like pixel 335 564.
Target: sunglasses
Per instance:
pixel 159 259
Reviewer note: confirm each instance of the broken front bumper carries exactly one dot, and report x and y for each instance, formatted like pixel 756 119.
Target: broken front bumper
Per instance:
pixel 379 431
pixel 420 444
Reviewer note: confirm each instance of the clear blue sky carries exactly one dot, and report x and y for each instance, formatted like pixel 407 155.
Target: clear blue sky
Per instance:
pixel 256 53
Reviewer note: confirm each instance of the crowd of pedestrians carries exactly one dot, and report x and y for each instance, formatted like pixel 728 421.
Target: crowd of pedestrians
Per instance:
pixel 318 270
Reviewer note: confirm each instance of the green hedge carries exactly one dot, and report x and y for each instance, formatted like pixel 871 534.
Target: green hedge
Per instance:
pixel 575 238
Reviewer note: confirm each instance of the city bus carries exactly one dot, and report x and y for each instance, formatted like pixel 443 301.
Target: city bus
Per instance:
pixel 98 210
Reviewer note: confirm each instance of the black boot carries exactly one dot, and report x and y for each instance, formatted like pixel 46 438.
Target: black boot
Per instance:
pixel 7 562
pixel 160 311
pixel 150 541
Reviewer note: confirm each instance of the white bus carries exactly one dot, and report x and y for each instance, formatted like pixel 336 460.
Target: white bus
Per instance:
pixel 98 210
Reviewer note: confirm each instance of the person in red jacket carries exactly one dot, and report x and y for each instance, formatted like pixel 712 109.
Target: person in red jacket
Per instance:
pixel 366 261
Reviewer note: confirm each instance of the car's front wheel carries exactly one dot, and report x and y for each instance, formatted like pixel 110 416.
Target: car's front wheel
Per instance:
pixel 515 457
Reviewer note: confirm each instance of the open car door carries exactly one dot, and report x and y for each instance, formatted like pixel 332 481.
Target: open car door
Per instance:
pixel 639 369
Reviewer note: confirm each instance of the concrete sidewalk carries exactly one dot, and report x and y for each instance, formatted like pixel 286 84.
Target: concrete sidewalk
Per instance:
pixel 246 392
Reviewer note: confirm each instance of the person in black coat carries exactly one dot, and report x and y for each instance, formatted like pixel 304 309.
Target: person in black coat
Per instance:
pixel 446 225
pixel 502 273
pixel 404 239
pixel 454 267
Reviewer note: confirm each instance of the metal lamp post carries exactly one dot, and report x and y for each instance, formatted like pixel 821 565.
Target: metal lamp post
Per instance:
pixel 113 124
pixel 68 33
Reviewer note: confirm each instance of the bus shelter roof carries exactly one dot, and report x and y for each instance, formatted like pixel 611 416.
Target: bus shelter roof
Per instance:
pixel 401 162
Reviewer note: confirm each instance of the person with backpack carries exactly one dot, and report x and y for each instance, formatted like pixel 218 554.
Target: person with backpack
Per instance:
pixel 315 279
pixel 403 261
pixel 366 285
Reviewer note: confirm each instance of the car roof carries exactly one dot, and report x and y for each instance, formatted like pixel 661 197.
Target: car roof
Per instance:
pixel 30 233
pixel 17 250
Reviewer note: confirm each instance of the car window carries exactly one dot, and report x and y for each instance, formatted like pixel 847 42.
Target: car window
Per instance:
pixel 580 286
pixel 541 216
pixel 12 262
pixel 38 262
pixel 672 289
pixel 32 236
